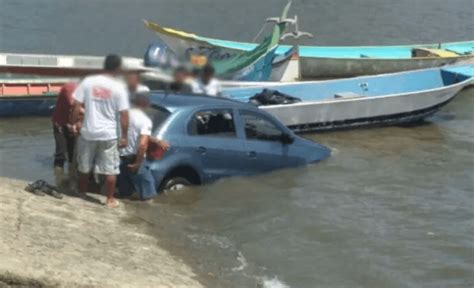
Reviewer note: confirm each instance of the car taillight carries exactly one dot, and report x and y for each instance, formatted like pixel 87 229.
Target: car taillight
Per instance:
pixel 155 151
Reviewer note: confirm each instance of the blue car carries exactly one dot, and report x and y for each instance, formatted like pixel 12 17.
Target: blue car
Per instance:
pixel 211 138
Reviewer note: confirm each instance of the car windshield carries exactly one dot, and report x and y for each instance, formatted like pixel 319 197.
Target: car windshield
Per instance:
pixel 158 115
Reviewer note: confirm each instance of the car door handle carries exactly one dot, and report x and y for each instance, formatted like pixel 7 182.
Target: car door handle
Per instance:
pixel 252 154
pixel 201 150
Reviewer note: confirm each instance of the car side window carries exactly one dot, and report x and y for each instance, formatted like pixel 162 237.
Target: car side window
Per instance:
pixel 158 116
pixel 213 123
pixel 260 128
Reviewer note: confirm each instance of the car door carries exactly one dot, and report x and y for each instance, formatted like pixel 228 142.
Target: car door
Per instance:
pixel 265 150
pixel 213 137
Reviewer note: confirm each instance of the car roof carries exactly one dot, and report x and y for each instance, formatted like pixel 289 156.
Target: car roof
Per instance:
pixel 173 101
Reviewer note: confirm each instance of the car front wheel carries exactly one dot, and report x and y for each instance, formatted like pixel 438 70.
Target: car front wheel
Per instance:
pixel 176 183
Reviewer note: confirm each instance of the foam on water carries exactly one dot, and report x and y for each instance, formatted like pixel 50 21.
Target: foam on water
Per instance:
pixel 273 283
pixel 243 262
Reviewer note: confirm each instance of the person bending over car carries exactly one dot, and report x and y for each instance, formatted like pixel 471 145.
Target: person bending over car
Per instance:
pixel 105 101
pixel 132 156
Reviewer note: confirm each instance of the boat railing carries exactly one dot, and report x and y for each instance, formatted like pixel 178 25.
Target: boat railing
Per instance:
pixel 62 61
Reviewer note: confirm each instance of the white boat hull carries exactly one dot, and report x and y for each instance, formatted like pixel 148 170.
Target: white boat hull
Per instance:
pixel 373 111
pixel 68 65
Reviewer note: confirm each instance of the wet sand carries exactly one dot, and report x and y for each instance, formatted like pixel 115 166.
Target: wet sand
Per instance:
pixel 48 242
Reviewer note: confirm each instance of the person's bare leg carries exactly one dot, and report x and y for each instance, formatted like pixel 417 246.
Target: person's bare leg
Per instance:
pixel 110 181
pixel 83 183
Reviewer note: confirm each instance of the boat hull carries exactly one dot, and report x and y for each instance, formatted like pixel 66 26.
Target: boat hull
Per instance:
pixel 67 65
pixel 27 106
pixel 261 70
pixel 285 67
pixel 319 67
pixel 316 66
pixel 364 112
pixel 313 67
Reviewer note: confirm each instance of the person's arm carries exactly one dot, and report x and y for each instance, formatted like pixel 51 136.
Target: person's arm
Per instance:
pixel 123 142
pixel 162 143
pixel 219 89
pixel 76 111
pixel 123 106
pixel 77 108
pixel 70 90
pixel 142 147
pixel 195 87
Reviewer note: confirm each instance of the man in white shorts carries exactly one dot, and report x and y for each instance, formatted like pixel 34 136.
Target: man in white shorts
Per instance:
pixel 105 102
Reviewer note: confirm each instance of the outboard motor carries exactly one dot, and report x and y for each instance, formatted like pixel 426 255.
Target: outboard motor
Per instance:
pixel 160 56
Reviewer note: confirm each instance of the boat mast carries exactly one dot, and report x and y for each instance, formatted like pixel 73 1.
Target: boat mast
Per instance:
pixel 295 35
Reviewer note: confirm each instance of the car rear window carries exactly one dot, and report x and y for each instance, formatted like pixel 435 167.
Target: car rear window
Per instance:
pixel 158 116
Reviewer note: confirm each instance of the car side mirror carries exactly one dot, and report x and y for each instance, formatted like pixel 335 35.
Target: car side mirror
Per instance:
pixel 286 138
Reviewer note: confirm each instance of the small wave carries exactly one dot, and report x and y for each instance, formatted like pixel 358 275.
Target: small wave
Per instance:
pixel 242 261
pixel 273 283
pixel 211 240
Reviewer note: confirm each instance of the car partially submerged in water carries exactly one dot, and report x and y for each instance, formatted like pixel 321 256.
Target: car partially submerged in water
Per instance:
pixel 212 137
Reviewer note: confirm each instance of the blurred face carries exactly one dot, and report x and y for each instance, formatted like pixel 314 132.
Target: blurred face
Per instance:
pixel 118 72
pixel 133 80
pixel 180 77
pixel 142 101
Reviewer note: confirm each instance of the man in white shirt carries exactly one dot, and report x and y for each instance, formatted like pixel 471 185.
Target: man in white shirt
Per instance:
pixel 104 99
pixel 132 156
pixel 206 83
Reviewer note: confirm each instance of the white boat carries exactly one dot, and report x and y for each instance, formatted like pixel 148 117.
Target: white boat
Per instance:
pixel 76 66
pixel 388 99
pixel 67 65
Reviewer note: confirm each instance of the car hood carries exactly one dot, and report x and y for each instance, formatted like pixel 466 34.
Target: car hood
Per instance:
pixel 315 151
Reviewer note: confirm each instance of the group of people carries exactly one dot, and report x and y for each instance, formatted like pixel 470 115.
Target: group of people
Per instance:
pixel 100 127
pixel 198 81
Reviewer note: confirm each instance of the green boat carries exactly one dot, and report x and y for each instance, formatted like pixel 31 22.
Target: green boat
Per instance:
pixel 332 61
pixel 254 64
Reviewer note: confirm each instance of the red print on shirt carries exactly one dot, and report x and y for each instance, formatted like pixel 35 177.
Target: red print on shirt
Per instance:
pixel 101 93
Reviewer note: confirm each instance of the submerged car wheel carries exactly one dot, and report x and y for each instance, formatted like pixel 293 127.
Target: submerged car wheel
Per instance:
pixel 177 183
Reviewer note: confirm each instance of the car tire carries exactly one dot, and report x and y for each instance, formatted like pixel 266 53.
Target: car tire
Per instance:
pixel 176 183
